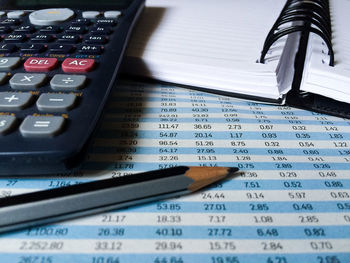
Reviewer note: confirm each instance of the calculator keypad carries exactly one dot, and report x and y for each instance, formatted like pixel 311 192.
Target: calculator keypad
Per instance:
pixel 27 81
pixel 55 102
pixel 50 29
pixel 25 29
pixel 15 38
pixel 32 48
pixel 112 14
pixel 34 64
pixel 51 16
pixel 61 49
pixel 15 14
pixel 6 123
pixel 7 48
pixel 42 38
pixel 91 14
pixel 41 126
pixel 63 82
pixel 76 65
pixel 49 66
pixel 88 36
pixel 14 100
pixel 10 21
pixel 69 39
pixel 9 63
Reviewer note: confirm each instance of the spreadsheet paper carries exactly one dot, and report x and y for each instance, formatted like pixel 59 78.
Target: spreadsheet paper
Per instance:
pixel 290 202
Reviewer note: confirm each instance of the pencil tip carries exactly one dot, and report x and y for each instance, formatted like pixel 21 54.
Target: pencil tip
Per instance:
pixel 204 176
pixel 232 170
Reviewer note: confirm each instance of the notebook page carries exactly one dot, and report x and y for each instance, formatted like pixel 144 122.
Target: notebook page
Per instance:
pixel 208 40
pixel 319 77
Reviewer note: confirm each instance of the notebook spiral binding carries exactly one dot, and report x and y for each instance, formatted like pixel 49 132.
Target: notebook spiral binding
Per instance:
pixel 312 16
pixel 315 17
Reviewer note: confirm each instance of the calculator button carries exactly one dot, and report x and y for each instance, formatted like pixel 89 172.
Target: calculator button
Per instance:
pixel 24 81
pixel 90 14
pixel 69 39
pixel 90 49
pixel 75 29
pixel 5 29
pixel 7 48
pixel 51 16
pixel 15 38
pixel 50 29
pixel 6 123
pixel 76 65
pixel 100 31
pixel 32 48
pixel 40 64
pixel 82 22
pixel 51 102
pixel 61 49
pixel 9 63
pixel 25 29
pixel 14 101
pixel 95 39
pixel 3 77
pixel 67 82
pixel 112 14
pixel 10 22
pixel 42 38
pixel 15 14
pixel 105 22
pixel 41 126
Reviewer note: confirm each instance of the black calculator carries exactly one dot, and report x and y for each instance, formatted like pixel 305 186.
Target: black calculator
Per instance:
pixel 58 63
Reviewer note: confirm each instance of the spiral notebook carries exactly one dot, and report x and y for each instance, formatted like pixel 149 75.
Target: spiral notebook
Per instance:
pixel 287 52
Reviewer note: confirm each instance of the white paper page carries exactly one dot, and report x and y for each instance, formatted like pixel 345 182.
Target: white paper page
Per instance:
pixel 320 78
pixel 198 35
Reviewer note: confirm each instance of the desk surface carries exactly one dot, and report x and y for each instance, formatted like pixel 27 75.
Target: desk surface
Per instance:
pixel 290 203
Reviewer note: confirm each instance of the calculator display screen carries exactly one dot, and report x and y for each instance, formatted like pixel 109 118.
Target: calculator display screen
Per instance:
pixel 79 4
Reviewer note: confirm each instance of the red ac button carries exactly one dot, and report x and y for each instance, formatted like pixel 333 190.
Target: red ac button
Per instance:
pixel 77 65
pixel 40 64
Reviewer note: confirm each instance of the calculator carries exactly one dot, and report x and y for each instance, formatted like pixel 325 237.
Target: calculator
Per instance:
pixel 58 63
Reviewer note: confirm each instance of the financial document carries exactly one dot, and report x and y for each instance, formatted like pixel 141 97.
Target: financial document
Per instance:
pixel 289 203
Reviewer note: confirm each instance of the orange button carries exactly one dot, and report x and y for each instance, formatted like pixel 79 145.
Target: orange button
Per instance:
pixel 40 64
pixel 77 65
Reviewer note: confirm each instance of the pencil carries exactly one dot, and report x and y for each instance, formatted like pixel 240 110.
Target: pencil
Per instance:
pixel 54 205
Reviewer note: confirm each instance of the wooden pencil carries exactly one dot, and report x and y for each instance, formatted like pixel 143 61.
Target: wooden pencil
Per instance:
pixel 48 206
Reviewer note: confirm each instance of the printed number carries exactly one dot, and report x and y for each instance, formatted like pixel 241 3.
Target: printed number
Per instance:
pixel 321 245
pixel 272 246
pixel 308 219
pixel 328 259
pixel 168 245
pixel 108 245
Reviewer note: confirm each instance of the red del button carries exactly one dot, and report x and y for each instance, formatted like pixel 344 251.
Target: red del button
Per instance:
pixel 40 64
pixel 77 65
